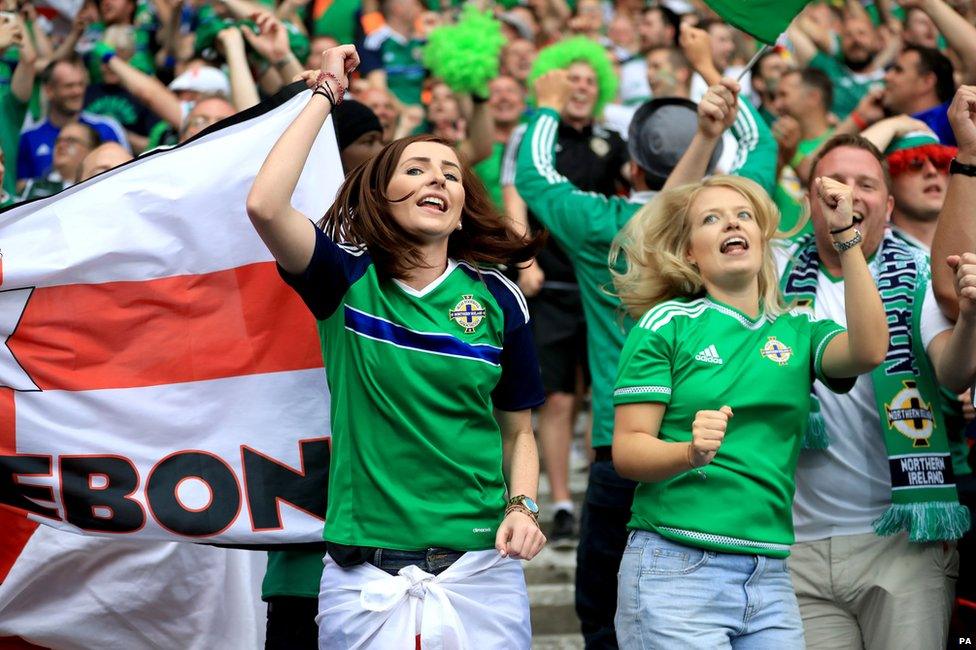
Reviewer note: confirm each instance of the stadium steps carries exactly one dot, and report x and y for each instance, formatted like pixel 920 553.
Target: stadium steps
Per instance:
pixel 549 577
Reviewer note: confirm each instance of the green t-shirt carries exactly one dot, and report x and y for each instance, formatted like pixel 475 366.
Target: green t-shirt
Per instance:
pixel 338 21
pixel 293 573
pixel 694 354
pixel 849 87
pixel 414 377
pixel 489 171
pixel 8 63
pixel 12 112
pixel 401 58
pixel 806 147
pixel 38 188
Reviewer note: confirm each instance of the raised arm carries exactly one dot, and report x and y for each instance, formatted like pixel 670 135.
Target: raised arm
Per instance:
pixel 243 90
pixel 882 133
pixel 958 32
pixel 67 46
pixel 287 232
pixel 954 354
pixel 480 138
pixel 147 89
pixel 808 37
pixel 955 232
pixel 271 42
pixel 755 156
pixel 697 46
pixel 22 81
pixel 865 344
pixel 569 213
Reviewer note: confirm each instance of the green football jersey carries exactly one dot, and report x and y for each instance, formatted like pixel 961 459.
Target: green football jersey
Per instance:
pixel 849 87
pixel 12 113
pixel 585 224
pixel 489 171
pixel 414 377
pixel 401 58
pixel 700 354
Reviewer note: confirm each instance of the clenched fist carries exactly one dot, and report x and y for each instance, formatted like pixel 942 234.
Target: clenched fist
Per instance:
pixel 707 432
pixel 962 116
pixel 837 202
pixel 718 108
pixel 964 267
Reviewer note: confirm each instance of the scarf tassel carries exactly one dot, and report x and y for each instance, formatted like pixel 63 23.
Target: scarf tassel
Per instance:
pixel 815 437
pixel 926 521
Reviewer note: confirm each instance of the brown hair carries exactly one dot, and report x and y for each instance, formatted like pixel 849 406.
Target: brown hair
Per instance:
pixel 855 142
pixel 361 216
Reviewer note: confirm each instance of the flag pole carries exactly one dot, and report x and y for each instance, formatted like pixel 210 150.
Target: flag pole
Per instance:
pixel 755 57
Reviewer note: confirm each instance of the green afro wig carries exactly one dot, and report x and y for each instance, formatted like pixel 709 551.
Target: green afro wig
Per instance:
pixel 579 49
pixel 465 55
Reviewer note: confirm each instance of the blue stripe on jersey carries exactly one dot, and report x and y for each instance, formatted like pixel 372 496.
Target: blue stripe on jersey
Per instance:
pixel 378 329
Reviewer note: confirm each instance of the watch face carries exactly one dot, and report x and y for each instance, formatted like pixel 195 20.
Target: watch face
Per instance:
pixel 530 504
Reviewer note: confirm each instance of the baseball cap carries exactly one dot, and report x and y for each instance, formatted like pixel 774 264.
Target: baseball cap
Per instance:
pixel 202 79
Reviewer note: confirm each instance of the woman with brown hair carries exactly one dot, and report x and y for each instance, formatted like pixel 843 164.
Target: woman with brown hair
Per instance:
pixel 433 374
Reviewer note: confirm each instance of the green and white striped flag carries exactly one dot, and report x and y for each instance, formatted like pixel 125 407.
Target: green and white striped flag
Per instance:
pixel 763 19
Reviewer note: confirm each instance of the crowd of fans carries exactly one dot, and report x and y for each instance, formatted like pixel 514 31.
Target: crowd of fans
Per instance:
pixel 81 92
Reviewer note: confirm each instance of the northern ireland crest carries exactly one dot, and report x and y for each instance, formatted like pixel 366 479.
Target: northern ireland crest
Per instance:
pixel 468 313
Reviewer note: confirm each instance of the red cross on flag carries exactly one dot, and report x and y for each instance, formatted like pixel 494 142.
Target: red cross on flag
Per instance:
pixel 158 380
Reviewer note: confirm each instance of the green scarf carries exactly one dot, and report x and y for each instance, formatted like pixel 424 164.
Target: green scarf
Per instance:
pixel 923 489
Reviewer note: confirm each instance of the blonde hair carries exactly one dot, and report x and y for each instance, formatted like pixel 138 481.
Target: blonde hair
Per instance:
pixel 655 248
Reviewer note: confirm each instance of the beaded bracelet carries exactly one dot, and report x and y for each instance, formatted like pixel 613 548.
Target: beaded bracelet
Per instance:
pixel 342 89
pixel 516 507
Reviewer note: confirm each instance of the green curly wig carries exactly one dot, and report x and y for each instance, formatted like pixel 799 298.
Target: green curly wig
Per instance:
pixel 579 49
pixel 465 55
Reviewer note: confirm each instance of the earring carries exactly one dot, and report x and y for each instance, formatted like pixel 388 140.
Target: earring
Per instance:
pixel 459 225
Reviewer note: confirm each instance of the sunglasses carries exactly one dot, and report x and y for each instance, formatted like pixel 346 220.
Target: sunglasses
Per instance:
pixel 913 161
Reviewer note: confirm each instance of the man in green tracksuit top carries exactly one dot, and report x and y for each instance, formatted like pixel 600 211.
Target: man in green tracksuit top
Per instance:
pixel 585 224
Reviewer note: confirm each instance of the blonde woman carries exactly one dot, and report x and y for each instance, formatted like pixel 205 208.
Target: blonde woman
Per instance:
pixel 711 402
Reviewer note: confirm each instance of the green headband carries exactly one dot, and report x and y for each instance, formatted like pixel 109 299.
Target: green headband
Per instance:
pixel 911 140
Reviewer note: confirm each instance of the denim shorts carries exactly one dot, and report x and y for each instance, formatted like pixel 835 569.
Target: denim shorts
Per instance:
pixel 676 596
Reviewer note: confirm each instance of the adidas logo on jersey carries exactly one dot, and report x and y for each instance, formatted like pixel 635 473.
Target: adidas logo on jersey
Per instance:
pixel 709 355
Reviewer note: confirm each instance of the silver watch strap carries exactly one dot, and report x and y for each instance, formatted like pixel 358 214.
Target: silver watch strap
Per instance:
pixel 842 246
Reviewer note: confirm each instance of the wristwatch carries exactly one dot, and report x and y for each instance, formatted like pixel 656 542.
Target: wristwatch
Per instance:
pixel 842 246
pixel 525 502
pixel 956 167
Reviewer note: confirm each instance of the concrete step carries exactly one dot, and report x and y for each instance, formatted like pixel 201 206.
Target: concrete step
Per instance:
pixel 557 642
pixel 551 574
pixel 549 577
pixel 553 595
pixel 551 566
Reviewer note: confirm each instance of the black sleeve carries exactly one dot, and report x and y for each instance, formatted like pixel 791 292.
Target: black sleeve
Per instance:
pixel 520 387
pixel 331 271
